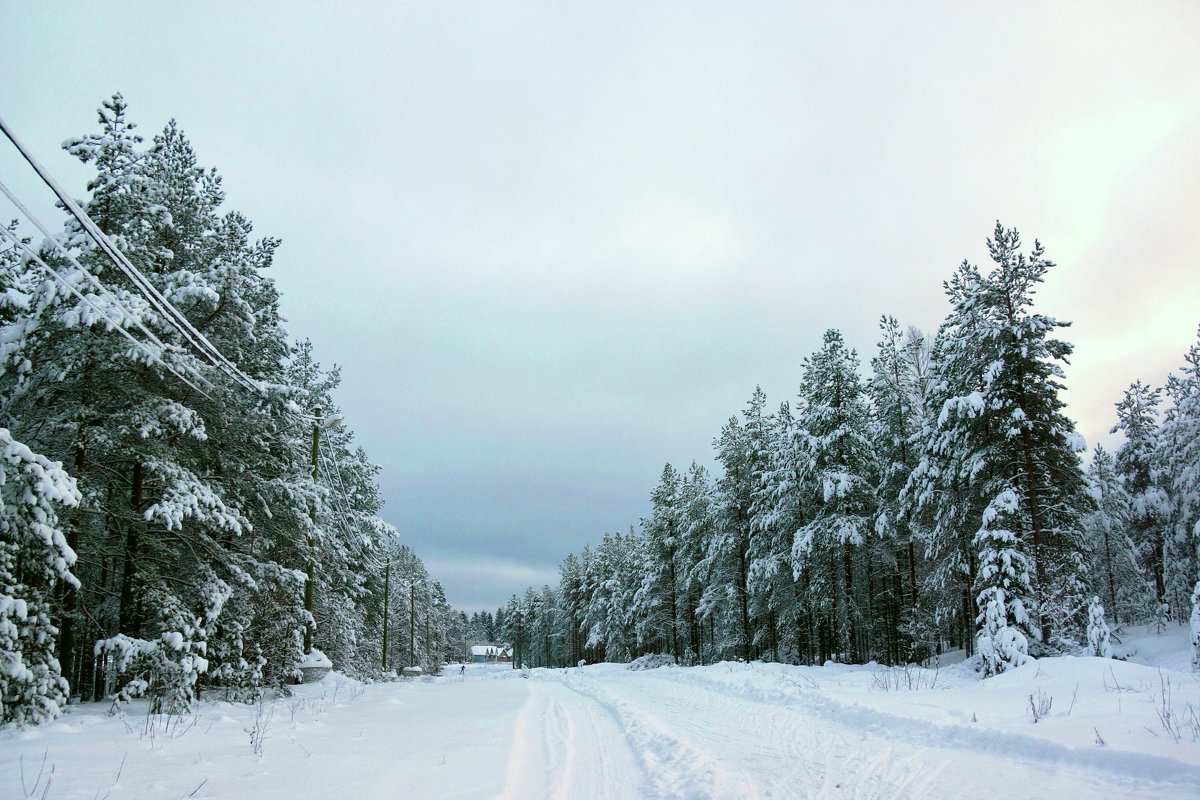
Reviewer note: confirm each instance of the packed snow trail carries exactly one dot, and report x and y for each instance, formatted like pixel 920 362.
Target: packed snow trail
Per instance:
pixel 566 747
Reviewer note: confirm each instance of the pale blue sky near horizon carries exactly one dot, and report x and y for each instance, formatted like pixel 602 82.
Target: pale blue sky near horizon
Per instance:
pixel 555 246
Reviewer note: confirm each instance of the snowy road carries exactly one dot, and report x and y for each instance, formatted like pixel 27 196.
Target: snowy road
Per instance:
pixel 726 731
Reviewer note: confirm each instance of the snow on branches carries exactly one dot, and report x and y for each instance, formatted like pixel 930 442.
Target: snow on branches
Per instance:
pixel 34 557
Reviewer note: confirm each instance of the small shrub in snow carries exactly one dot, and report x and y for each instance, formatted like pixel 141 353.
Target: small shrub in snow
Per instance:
pixel 1162 617
pixel 1040 704
pixel 1170 718
pixel 908 677
pixel 263 714
pixel 1097 631
pixel 652 661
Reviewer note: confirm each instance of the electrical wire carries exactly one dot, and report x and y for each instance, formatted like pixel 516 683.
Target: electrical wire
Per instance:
pixel 93 280
pixel 172 315
pixel 112 323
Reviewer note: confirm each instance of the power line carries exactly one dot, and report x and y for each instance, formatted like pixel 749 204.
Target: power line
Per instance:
pixel 94 281
pixel 172 315
pixel 114 324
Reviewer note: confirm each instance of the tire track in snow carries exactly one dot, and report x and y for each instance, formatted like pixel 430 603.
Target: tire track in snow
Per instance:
pixel 673 769
pixel 568 747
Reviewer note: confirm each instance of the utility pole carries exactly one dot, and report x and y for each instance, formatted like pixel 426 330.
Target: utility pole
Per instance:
pixel 310 566
pixel 387 592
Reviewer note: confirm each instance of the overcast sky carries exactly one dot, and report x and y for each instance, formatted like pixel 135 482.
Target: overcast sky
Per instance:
pixel 554 246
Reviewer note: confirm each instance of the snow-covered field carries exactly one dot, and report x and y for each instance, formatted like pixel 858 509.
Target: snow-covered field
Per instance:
pixel 1106 729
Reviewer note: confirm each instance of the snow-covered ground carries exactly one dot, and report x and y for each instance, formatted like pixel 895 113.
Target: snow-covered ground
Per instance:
pixel 1110 729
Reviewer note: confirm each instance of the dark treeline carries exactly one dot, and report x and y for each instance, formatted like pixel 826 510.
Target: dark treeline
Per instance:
pixel 162 527
pixel 937 500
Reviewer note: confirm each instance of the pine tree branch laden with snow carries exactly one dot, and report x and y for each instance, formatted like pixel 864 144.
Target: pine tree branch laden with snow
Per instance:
pixel 1003 583
pixel 34 558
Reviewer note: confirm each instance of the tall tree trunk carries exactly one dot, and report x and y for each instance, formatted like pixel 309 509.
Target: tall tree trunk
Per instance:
pixel 1036 522
pixel 851 633
pixel 128 622
pixel 743 590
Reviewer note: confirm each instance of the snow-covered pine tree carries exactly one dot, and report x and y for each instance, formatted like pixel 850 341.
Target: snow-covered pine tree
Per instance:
pixel 571 583
pixel 1116 566
pixel 514 630
pixel 657 603
pixel 1138 462
pixel 740 449
pixel 136 434
pixel 197 507
pixel 615 576
pixel 1180 445
pixel 834 420
pixel 899 388
pixel 1000 477
pixel 782 601
pixel 697 520
pixel 34 557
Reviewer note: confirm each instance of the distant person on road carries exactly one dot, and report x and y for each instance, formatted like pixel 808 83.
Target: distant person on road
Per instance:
pixel 462 670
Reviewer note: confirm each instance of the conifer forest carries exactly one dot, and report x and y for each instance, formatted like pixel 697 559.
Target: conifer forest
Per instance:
pixel 170 519
pixel 936 499
pixel 183 506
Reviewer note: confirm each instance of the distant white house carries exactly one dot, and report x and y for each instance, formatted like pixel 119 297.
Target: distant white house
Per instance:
pixel 490 653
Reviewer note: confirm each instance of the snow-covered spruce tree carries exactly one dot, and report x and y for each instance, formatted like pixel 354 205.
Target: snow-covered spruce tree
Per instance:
pixel 1097 630
pixel 1116 567
pixel 1000 480
pixel 1139 465
pixel 34 557
pixel 833 418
